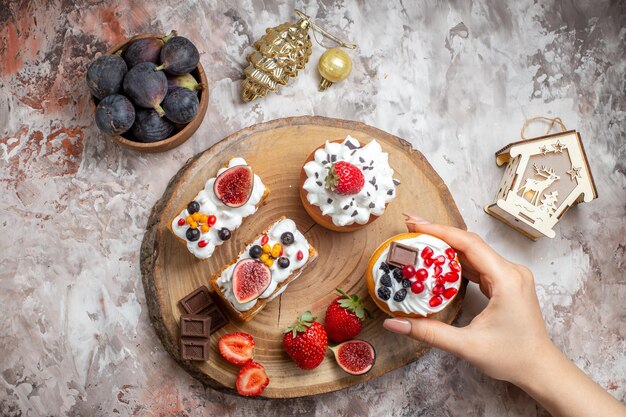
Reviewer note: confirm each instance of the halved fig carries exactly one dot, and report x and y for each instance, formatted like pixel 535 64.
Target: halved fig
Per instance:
pixel 233 187
pixel 250 279
pixel 356 357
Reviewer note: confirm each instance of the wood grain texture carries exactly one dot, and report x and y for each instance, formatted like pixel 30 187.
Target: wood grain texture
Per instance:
pixel 276 151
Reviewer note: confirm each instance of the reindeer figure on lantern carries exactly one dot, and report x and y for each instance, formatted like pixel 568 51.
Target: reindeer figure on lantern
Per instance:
pixel 538 186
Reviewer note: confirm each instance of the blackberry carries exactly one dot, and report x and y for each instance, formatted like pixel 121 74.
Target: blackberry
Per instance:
pixel 399 295
pixel 406 283
pixel 386 280
pixel 397 274
pixel 384 293
pixel 385 267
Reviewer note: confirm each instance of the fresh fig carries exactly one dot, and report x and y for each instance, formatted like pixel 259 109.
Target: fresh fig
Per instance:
pixel 185 81
pixel 233 187
pixel 356 357
pixel 115 114
pixel 150 127
pixel 105 75
pixel 145 50
pixel 146 87
pixel 250 279
pixel 180 105
pixel 179 56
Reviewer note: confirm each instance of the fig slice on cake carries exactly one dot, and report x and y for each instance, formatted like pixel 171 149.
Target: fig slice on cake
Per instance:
pixel 356 357
pixel 250 279
pixel 233 187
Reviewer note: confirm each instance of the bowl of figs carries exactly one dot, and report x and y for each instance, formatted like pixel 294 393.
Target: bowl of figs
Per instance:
pixel 150 92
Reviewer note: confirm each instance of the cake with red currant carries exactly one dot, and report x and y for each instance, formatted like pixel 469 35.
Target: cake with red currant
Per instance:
pixel 219 209
pixel 345 185
pixel 413 275
pixel 264 269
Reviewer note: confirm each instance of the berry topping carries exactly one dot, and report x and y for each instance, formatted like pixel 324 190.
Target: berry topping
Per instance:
pixel 211 220
pixel 276 249
pixel 299 255
pixel 237 348
pixel 399 295
pixel 251 380
pixel 267 248
pixel 283 262
pixel 287 238
pixel 264 239
pixel 438 289
pixel 193 207
pixel 397 274
pixel 385 266
pixel 440 260
pixel 449 293
pixel 417 287
pixel 203 243
pixel 386 280
pixel 189 219
pixel 450 253
pixel 435 301
pixel 427 252
pixel 192 234
pixel 205 228
pixel 383 293
pixel 421 274
pixel 344 178
pixel 255 251
pixel 451 276
pixel 428 262
pixel 406 283
pixel 306 341
pixel 441 280
pixel 408 271
pixel 437 270
pixel 269 262
pixel 264 258
pixel 204 218
pixel 181 222
pixel 224 233
pixel 454 265
pixel 196 217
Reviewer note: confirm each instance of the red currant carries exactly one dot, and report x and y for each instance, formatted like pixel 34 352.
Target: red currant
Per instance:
pixel 454 265
pixel 438 289
pixel 428 262
pixel 211 220
pixel 427 252
pixel 450 253
pixel 264 239
pixel 181 222
pixel 408 271
pixel 449 293
pixel 437 270
pixel 451 276
pixel 440 260
pixel 435 301
pixel 441 280
pixel 421 274
pixel 281 251
pixel 417 287
pixel 202 243
pixel 300 255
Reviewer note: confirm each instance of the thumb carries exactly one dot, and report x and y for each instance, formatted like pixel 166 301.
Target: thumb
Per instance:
pixel 430 331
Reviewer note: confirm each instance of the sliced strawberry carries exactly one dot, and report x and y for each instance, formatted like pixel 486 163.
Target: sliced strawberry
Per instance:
pixel 252 379
pixel 237 348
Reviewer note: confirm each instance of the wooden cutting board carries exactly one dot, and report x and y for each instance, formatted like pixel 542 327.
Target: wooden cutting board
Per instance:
pixel 276 151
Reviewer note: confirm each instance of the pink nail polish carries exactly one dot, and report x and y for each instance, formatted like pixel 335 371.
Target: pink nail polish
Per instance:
pixel 400 326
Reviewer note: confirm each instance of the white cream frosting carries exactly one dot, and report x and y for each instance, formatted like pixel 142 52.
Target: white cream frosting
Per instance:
pixel 278 274
pixel 228 217
pixel 379 188
pixel 416 303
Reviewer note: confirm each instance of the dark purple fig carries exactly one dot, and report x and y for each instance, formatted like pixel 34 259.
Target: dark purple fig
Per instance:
pixel 180 105
pixel 115 114
pixel 150 127
pixel 145 50
pixel 184 81
pixel 146 87
pixel 179 56
pixel 105 75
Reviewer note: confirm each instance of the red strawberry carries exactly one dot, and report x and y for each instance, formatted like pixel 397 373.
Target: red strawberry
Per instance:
pixel 252 380
pixel 305 342
pixel 344 178
pixel 344 317
pixel 236 348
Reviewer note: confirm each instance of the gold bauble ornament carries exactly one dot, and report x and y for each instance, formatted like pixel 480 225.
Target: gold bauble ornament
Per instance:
pixel 334 66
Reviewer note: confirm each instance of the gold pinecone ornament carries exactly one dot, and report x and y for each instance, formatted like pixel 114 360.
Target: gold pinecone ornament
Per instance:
pixel 278 56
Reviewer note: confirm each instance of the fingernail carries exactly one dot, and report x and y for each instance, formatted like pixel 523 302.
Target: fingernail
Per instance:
pixel 411 218
pixel 401 326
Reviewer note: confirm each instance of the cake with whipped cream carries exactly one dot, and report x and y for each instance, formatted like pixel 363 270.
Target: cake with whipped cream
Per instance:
pixel 413 275
pixel 345 185
pixel 219 208
pixel 264 269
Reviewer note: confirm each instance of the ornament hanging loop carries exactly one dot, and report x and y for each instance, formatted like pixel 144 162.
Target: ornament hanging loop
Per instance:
pixel 330 36
pixel 553 122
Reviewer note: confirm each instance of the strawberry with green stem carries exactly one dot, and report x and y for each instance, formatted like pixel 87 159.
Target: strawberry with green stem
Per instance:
pixel 345 317
pixel 305 341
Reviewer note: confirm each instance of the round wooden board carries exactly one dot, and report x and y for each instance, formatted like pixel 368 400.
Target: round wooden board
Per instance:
pixel 276 151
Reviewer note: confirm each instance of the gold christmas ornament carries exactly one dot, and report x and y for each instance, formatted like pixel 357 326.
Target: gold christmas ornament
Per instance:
pixel 279 55
pixel 334 66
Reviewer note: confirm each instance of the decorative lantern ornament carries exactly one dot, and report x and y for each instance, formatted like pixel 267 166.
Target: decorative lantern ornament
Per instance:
pixel 544 177
pixel 334 66
pixel 281 53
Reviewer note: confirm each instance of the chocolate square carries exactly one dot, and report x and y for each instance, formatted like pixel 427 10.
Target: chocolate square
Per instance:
pixel 194 349
pixel 195 326
pixel 218 318
pixel 200 302
pixel 400 255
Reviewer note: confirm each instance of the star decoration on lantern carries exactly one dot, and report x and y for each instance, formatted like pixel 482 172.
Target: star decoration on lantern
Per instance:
pixel 544 149
pixel 558 146
pixel 574 172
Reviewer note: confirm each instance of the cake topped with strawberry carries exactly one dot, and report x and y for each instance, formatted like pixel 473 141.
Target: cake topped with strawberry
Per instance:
pixel 220 208
pixel 345 185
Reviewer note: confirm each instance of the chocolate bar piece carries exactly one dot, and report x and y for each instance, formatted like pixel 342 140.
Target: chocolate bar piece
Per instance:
pixel 195 326
pixel 194 349
pixel 200 302
pixel 400 255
